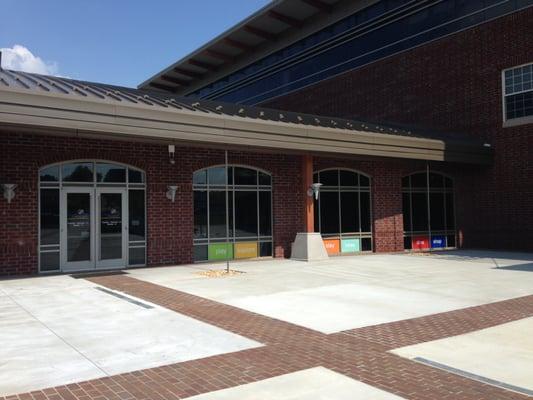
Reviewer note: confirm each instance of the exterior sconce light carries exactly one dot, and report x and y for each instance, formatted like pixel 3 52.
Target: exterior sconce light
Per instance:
pixel 9 191
pixel 171 153
pixel 314 190
pixel 171 193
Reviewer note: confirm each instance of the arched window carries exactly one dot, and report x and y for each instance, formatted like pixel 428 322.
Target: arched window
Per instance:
pixel 239 227
pixel 91 215
pixel 428 211
pixel 343 211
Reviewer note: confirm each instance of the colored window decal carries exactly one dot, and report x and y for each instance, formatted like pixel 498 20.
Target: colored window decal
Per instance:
pixel 246 250
pixel 332 246
pixel 420 242
pixel 438 242
pixel 350 245
pixel 220 251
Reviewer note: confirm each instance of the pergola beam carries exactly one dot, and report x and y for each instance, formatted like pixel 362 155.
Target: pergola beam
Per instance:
pixel 219 55
pixel 204 65
pixel 188 73
pixel 237 44
pixel 260 33
pixel 319 5
pixel 295 23
pixel 176 81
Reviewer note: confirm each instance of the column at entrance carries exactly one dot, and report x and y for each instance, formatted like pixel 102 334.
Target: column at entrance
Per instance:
pixel 308 245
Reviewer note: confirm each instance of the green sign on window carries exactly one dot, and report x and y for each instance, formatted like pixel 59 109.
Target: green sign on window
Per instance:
pixel 220 251
pixel 350 245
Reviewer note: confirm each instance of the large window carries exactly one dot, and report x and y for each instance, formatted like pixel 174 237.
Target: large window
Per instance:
pixel 233 215
pixel 428 211
pixel 518 92
pixel 343 211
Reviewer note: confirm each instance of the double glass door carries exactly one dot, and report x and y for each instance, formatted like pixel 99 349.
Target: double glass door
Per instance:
pixel 93 228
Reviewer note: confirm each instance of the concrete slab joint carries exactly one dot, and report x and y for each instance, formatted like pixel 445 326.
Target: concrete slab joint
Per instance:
pixel 308 246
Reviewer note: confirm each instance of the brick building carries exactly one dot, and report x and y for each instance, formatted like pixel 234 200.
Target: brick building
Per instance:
pixel 414 116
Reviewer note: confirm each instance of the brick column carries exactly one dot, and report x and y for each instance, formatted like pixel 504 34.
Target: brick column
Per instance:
pixel 387 211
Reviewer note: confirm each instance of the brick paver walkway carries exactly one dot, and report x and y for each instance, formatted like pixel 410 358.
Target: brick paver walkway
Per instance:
pixel 359 353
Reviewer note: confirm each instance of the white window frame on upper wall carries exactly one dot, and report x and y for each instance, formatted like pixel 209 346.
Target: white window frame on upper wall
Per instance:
pixel 520 120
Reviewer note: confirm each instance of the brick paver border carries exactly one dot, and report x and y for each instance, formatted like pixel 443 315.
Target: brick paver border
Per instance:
pixel 361 354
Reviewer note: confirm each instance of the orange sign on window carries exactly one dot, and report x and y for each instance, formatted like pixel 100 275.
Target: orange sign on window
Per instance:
pixel 246 250
pixel 333 246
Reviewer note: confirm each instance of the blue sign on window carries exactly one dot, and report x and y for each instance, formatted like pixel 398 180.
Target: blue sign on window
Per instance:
pixel 438 242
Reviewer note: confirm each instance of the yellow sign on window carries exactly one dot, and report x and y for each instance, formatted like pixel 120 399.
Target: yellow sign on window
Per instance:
pixel 246 250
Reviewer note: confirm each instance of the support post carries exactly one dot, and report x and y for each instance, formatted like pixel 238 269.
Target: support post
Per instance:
pixel 308 245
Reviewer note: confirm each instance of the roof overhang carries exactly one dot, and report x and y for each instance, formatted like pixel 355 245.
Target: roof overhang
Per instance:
pixel 273 27
pixel 107 119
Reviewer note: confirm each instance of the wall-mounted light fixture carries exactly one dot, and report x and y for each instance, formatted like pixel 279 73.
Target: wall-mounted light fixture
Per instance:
pixel 9 191
pixel 314 190
pixel 171 193
pixel 171 153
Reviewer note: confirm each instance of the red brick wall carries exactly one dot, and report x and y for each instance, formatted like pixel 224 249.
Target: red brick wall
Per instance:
pixel 170 225
pixel 453 84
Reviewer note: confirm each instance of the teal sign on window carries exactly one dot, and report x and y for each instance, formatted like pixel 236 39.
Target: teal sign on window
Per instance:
pixel 220 251
pixel 350 245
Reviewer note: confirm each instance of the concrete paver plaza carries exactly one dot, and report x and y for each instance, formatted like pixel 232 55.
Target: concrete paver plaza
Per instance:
pixel 374 326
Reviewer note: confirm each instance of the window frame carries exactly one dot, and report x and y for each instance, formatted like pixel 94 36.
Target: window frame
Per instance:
pixel 232 188
pixel 428 190
pixel 513 121
pixel 339 189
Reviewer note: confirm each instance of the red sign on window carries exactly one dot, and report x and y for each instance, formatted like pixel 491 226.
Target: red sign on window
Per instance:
pixel 420 242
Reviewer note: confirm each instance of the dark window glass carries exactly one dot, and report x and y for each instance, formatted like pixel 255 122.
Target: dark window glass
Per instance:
pixel 406 204
pixel 405 182
pixel 200 177
pixel 366 244
pixel 407 243
pixel 419 180
pixel 449 183
pixel 78 227
pixel 135 176
pixel 49 261
pixel 329 212
pixel 349 212
pixel 245 214
pixel 110 173
pixel 265 179
pixel 217 176
pixel 365 212
pixel 436 201
pixel 450 212
pixel 200 253
pixel 420 211
pixel 265 214
pixel 364 181
pixel 450 241
pixel 200 215
pixel 49 216
pixel 217 214
pixel 265 249
pixel 110 240
pixel 329 178
pixel 50 174
pixel 436 181
pixel 519 105
pixel 137 217
pixel 245 176
pixel 137 256
pixel 78 172
pixel 348 178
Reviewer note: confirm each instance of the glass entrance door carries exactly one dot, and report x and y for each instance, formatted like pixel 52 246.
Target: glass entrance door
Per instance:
pixel 77 229
pixel 111 228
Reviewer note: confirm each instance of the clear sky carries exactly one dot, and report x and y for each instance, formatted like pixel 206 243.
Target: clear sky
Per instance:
pixel 121 42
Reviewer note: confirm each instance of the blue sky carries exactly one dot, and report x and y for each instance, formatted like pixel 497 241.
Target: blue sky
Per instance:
pixel 122 42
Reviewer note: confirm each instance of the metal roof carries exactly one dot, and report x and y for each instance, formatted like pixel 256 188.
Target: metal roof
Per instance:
pixel 272 27
pixel 81 96
pixel 158 99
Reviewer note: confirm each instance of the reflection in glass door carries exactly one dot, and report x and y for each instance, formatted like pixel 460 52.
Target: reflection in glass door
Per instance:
pixel 111 225
pixel 77 229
